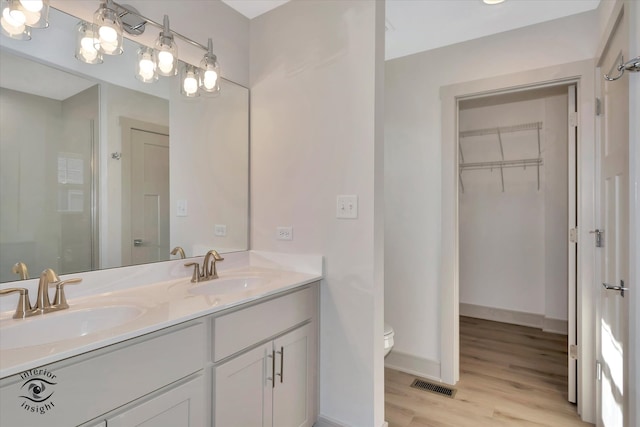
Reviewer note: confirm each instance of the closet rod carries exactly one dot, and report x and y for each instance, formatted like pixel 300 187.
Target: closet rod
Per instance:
pixel 501 129
pixel 501 164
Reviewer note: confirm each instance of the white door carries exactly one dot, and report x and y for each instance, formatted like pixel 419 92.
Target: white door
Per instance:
pixel 243 389
pixel 291 393
pixel 613 308
pixel 149 196
pixel 572 333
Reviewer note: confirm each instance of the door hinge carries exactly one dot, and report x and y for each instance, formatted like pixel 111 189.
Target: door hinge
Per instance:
pixel 573 119
pixel 573 235
pixel 573 351
pixel 599 111
pixel 598 370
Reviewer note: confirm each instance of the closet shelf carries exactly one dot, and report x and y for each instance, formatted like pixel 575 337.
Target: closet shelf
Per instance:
pixel 499 164
pixel 501 129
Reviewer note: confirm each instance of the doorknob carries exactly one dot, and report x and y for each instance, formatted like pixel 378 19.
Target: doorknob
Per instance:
pixel 620 288
pixel 137 242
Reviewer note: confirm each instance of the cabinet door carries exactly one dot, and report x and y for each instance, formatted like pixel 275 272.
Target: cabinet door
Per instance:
pixel 295 367
pixel 243 389
pixel 179 406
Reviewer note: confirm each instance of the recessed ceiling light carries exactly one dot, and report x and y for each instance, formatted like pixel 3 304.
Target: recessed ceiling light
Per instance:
pixel 493 1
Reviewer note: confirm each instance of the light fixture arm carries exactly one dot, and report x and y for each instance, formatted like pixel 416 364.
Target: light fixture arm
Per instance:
pixel 123 10
pixel 165 26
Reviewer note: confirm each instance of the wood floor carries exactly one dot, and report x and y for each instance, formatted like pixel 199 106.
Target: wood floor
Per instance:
pixel 509 376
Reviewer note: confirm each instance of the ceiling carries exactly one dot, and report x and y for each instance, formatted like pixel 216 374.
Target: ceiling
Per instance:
pixel 418 25
pixel 24 75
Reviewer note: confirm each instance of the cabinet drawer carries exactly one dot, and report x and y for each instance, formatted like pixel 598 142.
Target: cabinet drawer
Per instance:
pixel 240 329
pixel 88 386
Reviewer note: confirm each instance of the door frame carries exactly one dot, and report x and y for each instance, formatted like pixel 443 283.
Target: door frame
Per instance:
pixel 581 73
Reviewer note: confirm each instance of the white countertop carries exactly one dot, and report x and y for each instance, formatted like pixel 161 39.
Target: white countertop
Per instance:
pixel 163 304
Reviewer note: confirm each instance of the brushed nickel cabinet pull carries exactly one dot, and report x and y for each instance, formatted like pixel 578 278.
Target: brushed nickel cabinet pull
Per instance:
pixel 281 374
pixel 273 369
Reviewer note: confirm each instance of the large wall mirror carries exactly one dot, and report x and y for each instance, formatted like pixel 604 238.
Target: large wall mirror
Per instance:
pixel 100 170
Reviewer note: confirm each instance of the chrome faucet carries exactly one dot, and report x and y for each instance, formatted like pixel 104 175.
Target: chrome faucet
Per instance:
pixel 178 250
pixel 209 270
pixel 43 303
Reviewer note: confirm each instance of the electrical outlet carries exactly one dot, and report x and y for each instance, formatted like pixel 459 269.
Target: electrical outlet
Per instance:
pixel 284 233
pixel 347 207
pixel 220 230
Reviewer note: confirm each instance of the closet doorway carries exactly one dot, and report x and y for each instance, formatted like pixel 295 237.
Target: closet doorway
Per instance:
pixel 517 155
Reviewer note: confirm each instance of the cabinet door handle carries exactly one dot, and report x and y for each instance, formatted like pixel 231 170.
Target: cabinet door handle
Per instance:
pixel 281 374
pixel 273 368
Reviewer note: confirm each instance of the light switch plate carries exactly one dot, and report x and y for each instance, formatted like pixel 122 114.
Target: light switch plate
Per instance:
pixel 347 207
pixel 181 208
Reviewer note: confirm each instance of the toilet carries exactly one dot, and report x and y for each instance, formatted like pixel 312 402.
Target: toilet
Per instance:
pixel 388 338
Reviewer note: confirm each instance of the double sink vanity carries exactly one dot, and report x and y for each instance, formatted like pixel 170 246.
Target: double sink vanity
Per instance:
pixel 160 350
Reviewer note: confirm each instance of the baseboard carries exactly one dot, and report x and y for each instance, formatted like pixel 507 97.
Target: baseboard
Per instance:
pixel 533 320
pixel 328 422
pixel 556 326
pixel 324 421
pixel 413 365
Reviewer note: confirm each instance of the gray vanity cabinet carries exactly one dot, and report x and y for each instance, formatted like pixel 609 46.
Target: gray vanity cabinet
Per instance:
pixel 215 369
pixel 273 383
pixel 181 405
pixel 270 385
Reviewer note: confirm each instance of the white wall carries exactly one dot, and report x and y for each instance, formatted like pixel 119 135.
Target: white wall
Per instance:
pixel 502 233
pixel 413 161
pixel 29 230
pixel 216 157
pixel 513 245
pixel 316 70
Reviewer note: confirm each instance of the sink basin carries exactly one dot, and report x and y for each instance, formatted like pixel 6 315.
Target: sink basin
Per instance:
pixel 62 325
pixel 227 286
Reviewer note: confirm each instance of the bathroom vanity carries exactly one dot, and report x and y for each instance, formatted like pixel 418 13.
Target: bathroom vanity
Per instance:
pixel 240 350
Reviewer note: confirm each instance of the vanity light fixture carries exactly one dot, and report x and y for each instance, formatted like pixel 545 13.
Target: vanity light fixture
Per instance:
pixel 36 12
pixel 146 69
pixel 209 72
pixel 166 51
pixel 189 81
pixel 491 2
pixel 105 37
pixel 108 26
pixel 19 16
pixel 14 24
pixel 86 40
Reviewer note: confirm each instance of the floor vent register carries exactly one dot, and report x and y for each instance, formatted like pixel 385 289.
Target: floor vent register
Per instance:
pixel 434 388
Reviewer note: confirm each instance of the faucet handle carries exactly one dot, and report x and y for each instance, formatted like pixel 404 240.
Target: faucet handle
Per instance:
pixel 60 300
pixel 24 305
pixel 195 278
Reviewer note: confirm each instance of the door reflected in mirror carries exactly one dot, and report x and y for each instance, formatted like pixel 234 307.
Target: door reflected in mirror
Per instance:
pixel 105 171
